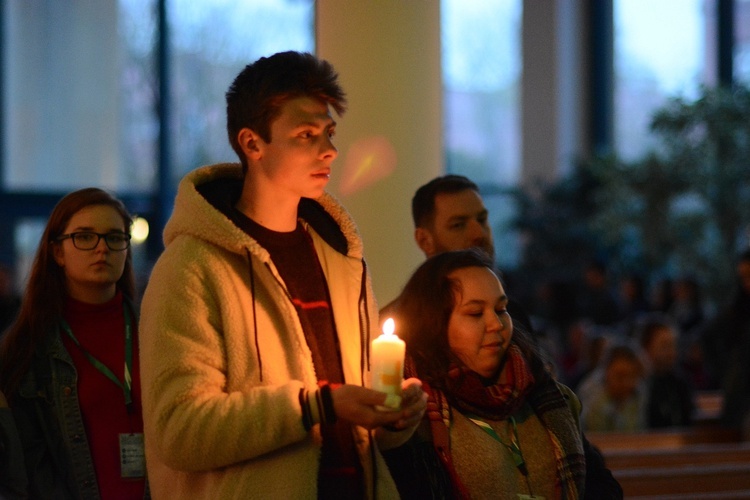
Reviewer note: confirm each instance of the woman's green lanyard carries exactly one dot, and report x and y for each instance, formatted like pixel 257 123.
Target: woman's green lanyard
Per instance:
pixel 126 386
pixel 514 448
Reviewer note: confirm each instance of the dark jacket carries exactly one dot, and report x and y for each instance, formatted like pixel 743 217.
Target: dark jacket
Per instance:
pixel 44 430
pixel 47 421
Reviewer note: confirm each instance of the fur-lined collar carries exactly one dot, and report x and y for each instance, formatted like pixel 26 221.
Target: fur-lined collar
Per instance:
pixel 205 195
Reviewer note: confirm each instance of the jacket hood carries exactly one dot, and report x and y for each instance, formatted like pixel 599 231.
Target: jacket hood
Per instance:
pixel 207 194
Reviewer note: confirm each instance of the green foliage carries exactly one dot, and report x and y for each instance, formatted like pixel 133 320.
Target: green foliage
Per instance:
pixel 555 225
pixel 683 208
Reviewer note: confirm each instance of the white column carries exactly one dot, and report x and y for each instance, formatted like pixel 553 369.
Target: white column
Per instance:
pixel 553 88
pixel 387 53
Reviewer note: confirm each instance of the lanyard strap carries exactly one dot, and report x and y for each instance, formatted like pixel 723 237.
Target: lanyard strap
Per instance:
pixel 514 447
pixel 127 380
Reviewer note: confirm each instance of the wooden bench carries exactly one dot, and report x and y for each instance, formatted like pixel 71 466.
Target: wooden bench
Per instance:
pixel 704 461
pixel 706 495
pixel 680 480
pixel 673 438
pixel 692 454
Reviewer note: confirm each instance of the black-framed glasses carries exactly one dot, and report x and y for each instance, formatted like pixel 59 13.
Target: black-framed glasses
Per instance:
pixel 88 240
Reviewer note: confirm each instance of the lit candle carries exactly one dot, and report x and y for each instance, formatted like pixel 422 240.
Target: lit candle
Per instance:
pixel 387 365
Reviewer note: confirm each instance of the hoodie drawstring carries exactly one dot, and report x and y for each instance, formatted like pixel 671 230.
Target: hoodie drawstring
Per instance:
pixel 364 336
pixel 364 326
pixel 255 320
pixel 364 322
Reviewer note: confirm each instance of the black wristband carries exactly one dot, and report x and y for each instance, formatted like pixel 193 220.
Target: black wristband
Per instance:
pixel 304 403
pixel 329 414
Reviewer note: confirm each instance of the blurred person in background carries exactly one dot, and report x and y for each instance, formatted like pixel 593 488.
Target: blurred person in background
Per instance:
pixel 595 300
pixel 661 295
pixel 687 309
pixel 614 396
pixel 670 395
pixel 726 342
pixel 632 301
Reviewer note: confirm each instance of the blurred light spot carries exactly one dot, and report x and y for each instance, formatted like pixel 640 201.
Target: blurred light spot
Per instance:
pixel 367 161
pixel 140 230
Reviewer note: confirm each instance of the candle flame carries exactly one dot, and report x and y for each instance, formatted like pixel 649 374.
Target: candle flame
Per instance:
pixel 389 326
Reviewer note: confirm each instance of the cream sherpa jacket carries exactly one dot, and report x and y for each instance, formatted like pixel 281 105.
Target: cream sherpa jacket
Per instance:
pixel 223 356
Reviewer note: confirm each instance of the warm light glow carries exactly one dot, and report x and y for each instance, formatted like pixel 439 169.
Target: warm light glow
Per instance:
pixel 368 160
pixel 387 365
pixel 389 326
pixel 140 230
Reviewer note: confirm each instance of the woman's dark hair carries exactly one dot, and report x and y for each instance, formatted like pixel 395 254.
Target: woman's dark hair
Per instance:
pixel 45 293
pixel 423 310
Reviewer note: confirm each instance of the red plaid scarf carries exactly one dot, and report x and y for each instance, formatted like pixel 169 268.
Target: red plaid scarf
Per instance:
pixel 467 392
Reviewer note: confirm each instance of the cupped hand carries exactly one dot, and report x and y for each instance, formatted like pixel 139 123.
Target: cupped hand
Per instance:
pixel 358 405
pixel 413 404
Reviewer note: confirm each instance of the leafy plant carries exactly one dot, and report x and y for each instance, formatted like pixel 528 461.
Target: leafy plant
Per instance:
pixel 554 222
pixel 683 209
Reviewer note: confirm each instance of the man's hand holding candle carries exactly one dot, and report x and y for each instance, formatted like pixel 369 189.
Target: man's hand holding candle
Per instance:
pixel 390 402
pixel 386 375
pixel 413 405
pixel 359 405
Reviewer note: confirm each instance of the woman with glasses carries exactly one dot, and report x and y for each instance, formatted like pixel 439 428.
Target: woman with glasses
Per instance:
pixel 70 406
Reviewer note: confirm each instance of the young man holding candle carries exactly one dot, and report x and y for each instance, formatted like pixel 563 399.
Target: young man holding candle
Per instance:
pixel 258 317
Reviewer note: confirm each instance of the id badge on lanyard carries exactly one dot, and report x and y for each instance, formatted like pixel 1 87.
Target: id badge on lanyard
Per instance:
pixel 132 455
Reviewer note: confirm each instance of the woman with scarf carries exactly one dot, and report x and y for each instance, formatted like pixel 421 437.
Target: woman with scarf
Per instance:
pixel 497 423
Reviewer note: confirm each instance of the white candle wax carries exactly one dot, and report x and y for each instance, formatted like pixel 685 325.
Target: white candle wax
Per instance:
pixel 387 365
